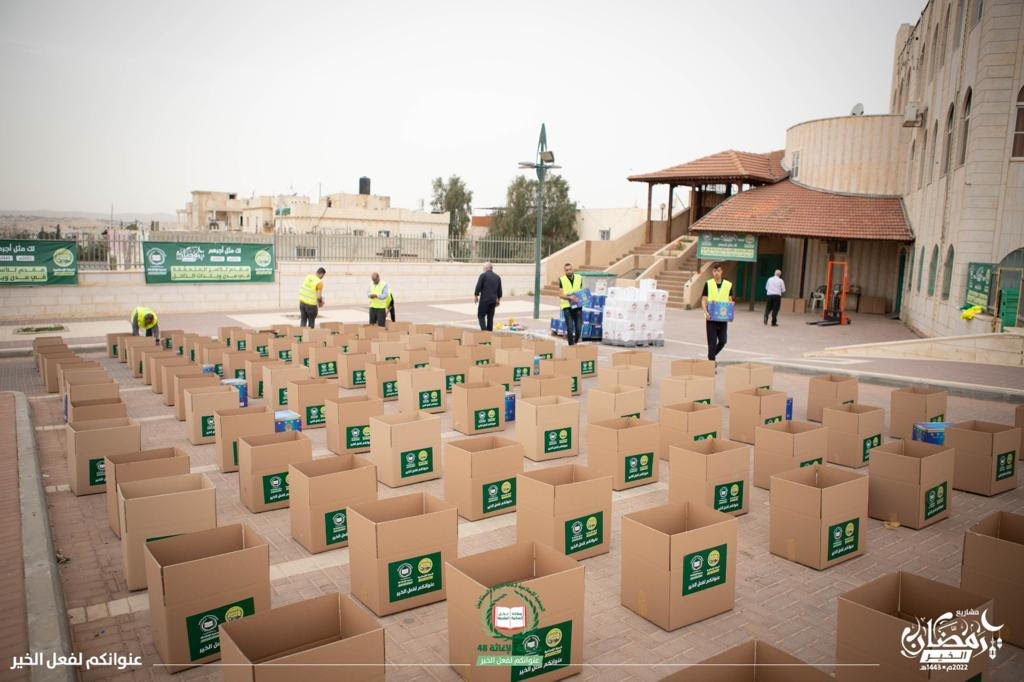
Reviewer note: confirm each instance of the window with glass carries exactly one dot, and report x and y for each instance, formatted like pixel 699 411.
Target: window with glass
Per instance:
pixel 1018 128
pixel 920 270
pixel 948 148
pixel 947 274
pixel 932 267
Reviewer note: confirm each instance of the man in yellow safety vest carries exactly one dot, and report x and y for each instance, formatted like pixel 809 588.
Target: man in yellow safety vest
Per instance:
pixel 142 318
pixel 311 297
pixel 716 289
pixel 572 311
pixel 379 296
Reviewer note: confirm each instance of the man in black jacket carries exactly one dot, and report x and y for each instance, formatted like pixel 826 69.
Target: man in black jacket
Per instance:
pixel 487 296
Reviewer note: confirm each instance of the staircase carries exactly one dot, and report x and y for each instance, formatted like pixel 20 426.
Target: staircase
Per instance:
pixel 553 289
pixel 673 281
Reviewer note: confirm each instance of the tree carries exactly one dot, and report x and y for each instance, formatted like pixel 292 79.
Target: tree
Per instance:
pixel 452 196
pixel 518 218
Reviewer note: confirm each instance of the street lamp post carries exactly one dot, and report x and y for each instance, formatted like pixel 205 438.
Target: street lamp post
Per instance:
pixel 545 161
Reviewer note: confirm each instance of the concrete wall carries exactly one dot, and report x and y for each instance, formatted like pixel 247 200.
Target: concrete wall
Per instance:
pixel 590 221
pixel 106 293
pixel 873 266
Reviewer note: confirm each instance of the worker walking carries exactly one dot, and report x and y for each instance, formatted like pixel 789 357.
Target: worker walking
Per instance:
pixel 142 318
pixel 572 311
pixel 378 294
pixel 311 297
pixel 391 303
pixel 487 297
pixel 774 288
pixel 716 290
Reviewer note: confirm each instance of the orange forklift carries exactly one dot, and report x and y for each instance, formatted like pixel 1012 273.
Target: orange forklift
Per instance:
pixel 834 310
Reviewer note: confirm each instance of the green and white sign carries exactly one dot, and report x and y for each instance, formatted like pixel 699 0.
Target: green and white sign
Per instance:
pixel 324 369
pixel 97 471
pixel 416 462
pixel 452 379
pixel 584 532
pixel 275 487
pixel 430 399
pixel 336 525
pixel 773 420
pixel 704 569
pixel 390 389
pixel 810 462
pixel 729 496
pixel 203 629
pixel 499 495
pixel 737 247
pixel 414 576
pixel 486 418
pixel 553 644
pixel 706 436
pixel 871 442
pixel 935 500
pixel 36 262
pixel 483 361
pixel 587 367
pixel 979 283
pixel 1004 465
pixel 316 415
pixel 192 262
pixel 557 440
pixel 639 467
pixel 520 372
pixel 282 395
pixel 359 377
pixel 207 427
pixel 843 538
pixel 357 436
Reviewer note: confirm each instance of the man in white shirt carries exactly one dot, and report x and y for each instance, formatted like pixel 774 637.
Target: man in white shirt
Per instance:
pixel 774 288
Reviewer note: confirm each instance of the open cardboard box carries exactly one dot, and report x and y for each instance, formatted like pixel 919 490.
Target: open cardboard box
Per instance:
pixel 406 447
pixel 624 449
pixel 586 357
pixel 64 371
pixel 622 375
pixel 714 472
pixel 563 367
pixel 548 427
pixel 263 463
pixel 745 376
pixel 137 466
pixel 275 384
pixel 492 374
pixel 567 507
pixel 478 407
pixel 234 363
pixel 348 423
pixel 322 490
pixel 239 421
pixel 187 382
pixel 98 408
pixel 158 384
pixel 786 445
pixel 693 366
pixel 201 406
pixel 254 375
pixel 613 402
pixel 830 390
pixel 986 454
pixel 89 442
pixel 477 354
pixel 853 431
pixel 992 557
pixel 535 387
pixel 168 373
pixel 308 397
pixel 480 338
pixel 635 358
pixel 685 388
pixel 421 390
pixel 520 360
pixel 323 362
pixel 911 483
pixel 541 348
pixel 754 407
pixel 103 388
pixel 752 661
pixel 480 475
pixel 382 378
pixel 683 423
pixel 914 404
pixel 455 369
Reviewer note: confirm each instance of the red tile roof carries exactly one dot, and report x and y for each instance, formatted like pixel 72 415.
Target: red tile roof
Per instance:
pixel 787 209
pixel 481 220
pixel 727 166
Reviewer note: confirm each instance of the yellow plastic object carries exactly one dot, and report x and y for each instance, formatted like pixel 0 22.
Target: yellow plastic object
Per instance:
pixel 969 313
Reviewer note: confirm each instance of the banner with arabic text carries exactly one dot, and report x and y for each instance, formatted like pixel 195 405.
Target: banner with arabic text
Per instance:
pixel 28 262
pixel 205 262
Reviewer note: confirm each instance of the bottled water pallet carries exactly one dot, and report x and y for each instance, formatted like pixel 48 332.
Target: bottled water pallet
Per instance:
pixel 634 344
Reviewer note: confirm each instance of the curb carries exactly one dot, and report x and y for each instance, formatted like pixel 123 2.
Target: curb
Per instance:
pixel 955 388
pixel 83 348
pixel 49 632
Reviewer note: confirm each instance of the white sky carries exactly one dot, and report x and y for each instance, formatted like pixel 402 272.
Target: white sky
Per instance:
pixel 137 103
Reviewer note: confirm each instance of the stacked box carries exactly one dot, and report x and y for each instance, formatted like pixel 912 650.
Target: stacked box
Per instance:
pixel 89 442
pixel 567 507
pixel 625 450
pixel 853 431
pixel 911 483
pixel 137 466
pixel 634 314
pixel 915 404
pixel 406 447
pixel 309 398
pixel 787 445
pixel 829 390
pixel 562 368
pixel 752 408
pixel 348 423
pixel 548 427
pixel 230 424
pixel 685 423
pixel 480 475
pixel 686 388
pixel 714 472
pixel 321 492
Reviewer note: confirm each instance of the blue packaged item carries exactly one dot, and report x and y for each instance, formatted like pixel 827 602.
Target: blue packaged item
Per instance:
pixel 286 420
pixel 789 409
pixel 931 432
pixel 209 368
pixel 720 311
pixel 242 387
pixel 584 298
pixel 510 406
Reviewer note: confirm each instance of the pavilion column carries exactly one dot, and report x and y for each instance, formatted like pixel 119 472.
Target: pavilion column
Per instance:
pixel 647 231
pixel 668 224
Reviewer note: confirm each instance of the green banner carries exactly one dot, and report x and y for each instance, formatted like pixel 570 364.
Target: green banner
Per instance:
pixel 194 262
pixel 737 247
pixel 979 282
pixel 28 262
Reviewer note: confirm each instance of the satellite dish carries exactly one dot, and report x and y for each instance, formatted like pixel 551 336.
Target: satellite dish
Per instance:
pixel 858 110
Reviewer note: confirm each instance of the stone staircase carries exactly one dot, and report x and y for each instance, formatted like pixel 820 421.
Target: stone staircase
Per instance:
pixel 552 288
pixel 673 281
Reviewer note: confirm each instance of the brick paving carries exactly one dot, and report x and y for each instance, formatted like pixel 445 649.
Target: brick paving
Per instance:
pixel 14 625
pixel 788 605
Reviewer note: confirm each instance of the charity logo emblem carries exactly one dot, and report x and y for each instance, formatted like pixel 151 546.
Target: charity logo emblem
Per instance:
pixel 849 529
pixel 234 613
pixel 492 490
pixel 410 458
pixel 531 643
pixel 62 258
pixel 722 492
pixel 509 617
pixel 355 431
pixel 338 520
pixel 577 528
pixel 405 570
pixel 735 489
pixel 209 623
pixel 591 523
pixel 423 456
pixel 554 637
pixel 838 533
pixel 425 565
pixel 506 487
pixel 262 258
pixel 276 481
pixel 156 256
pixel 101 465
pixel 697 562
pixel 713 558
pixel 951 640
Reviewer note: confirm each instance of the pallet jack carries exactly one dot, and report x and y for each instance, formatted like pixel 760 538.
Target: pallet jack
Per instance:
pixel 835 297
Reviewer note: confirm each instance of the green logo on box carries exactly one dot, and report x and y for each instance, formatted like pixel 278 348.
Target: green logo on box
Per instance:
pixel 871 442
pixel 586 367
pixel 282 395
pixel 315 415
pixel 418 365
pixel 219 369
pixel 336 523
pixel 359 377
pixel 547 356
pixel 557 440
pixel 520 372
pixel 639 467
pixel 1004 465
pixel 305 361
pixel 234 452
pixel 97 471
pixel 843 538
pixel 357 436
pixel 168 343
pixel 486 418
pixel 452 379
pixel 203 629
pixel 241 345
pixel 285 355
pixel 140 366
pixel 113 349
pixel 414 576
pixel 551 644
pixel 584 532
pixel 938 418
pixel 575 385
pixel 328 368
pixel 935 500
pixel 811 462
pixel 704 569
pixel 262 350
pixel 416 462
pixel 389 358
pixel 390 388
pixel 207 426
pixel 633 415
pixel 773 420
pixel 706 436
pixel 729 496
pixel 499 495
pixel 430 399
pixel 275 487
pixel 703 401
pixel 483 361
pixel 239 373
pixel 259 389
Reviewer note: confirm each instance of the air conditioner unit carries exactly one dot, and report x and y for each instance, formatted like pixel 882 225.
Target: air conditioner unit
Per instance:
pixel 912 115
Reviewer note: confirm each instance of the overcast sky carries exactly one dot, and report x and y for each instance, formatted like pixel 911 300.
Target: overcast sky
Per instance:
pixel 137 103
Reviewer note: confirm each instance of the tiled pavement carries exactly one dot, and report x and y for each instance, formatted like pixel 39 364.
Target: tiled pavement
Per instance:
pixel 783 603
pixel 13 632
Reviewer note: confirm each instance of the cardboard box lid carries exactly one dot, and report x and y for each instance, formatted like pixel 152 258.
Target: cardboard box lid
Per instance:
pixel 395 426
pixel 406 522
pixel 908 460
pixel 622 433
pixel 100 424
pixel 201 564
pixel 833 379
pixel 657 534
pixel 133 491
pixel 245 412
pixel 561 489
pixel 145 456
pixel 264 439
pixel 998 435
pixel 752 661
pixel 483 456
pixel 326 466
pixel 853 418
pixel 819 491
pixel 995 546
pixel 710 457
pixel 616 390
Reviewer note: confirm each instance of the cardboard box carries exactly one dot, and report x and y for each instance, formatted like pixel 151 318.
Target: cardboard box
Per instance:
pixel 275 383
pixel 427 329
pixel 158 363
pixel 625 450
pixel 915 404
pixel 993 553
pixel 198 580
pixel 254 375
pixel 1018 421
pixel 167 379
pixel 414 341
pixel 226 335
pixel 560 367
pixel 818 515
pixel 693 367
pixel 80 377
pixel 634 358
pixel 106 389
pixel 687 388
pixel 129 342
pixel 752 408
pixel 537 595
pixel 480 475
pixel 683 423
pixel 151 364
pixel 188 383
pixel 541 348
pixel 753 660
pixel 567 507
pixel 201 403
pixel 299 355
pixel 678 563
pixel 535 387
pixel 258 342
pixel 586 356
pixel 89 442
pixel 280 348
pixel 478 407
pixel 612 402
pixel 521 362
pixel 481 338
pixel 352 370
pixel 507 341
pixel 872 621
pixel 64 371
pixel 830 390
pixel 153 509
pixel 455 369
pixel 986 454
pixel 622 375
pixel 397 549
pixel 51 363
pixel 382 379
pixel 406 447
pixel 98 408
pixel 239 421
pixel 714 472
pixel 263 463
pixel 137 466
pixel 382 351
pixel 853 430
pixel 112 341
pixel 549 427
pixel 787 445
pixel 348 423
pixel 745 376
pixel 421 390
pixel 322 491
pixel 52 349
pixel 368 331
pixel 442 349
pixel 476 354
pixel 193 347
pixel 415 357
pixel 234 363
pixel 309 398
pixel 492 374
pixel 911 483
pixel 213 354
pixel 313 639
